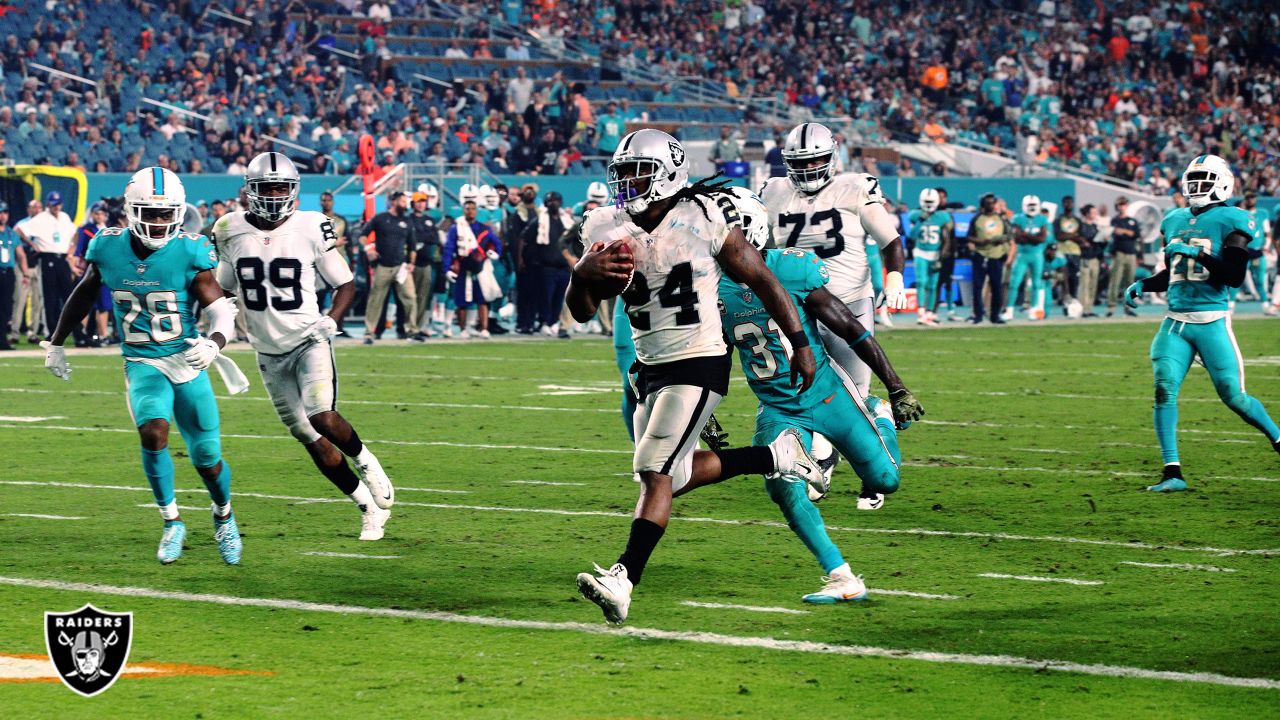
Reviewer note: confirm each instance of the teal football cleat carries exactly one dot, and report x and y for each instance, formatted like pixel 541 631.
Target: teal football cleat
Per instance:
pixel 1176 484
pixel 175 532
pixel 227 535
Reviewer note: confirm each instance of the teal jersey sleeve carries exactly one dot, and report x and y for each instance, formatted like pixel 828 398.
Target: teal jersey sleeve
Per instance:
pixel 204 256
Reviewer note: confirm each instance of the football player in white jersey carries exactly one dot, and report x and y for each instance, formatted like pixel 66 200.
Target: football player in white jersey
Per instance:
pixel 837 216
pixel 269 256
pixel 664 245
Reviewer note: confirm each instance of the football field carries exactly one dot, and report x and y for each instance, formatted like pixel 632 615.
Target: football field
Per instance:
pixel 1019 572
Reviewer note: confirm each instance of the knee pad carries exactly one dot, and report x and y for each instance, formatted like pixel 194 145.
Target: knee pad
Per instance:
pixel 205 452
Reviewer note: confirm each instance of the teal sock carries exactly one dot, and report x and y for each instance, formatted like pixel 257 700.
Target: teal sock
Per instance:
pixel 1257 416
pixel 1166 420
pixel 220 489
pixel 805 521
pixel 158 467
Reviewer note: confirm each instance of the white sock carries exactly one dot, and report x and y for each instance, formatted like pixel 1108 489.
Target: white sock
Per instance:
pixel 170 511
pixel 222 511
pixel 367 458
pixel 362 498
pixel 841 572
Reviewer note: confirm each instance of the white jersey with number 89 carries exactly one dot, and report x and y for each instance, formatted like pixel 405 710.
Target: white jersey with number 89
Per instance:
pixel 671 301
pixel 829 223
pixel 273 272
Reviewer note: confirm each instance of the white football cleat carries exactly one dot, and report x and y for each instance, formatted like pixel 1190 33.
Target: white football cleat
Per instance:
pixel 885 320
pixel 840 586
pixel 610 589
pixel 792 460
pixel 375 478
pixel 870 501
pixel 1270 309
pixel 373 522
pixel 1006 314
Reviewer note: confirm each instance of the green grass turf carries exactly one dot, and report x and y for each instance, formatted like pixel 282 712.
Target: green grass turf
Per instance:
pixel 1031 431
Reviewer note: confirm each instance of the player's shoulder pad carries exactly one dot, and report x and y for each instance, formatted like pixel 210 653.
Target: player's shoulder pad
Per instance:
pixel 860 187
pixel 600 218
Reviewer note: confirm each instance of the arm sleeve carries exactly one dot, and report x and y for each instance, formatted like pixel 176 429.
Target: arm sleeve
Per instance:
pixel 334 269
pixel 1157 283
pixel 1231 267
pixel 878 224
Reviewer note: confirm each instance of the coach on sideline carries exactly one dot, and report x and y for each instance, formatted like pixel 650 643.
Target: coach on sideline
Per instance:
pixel 392 250
pixel 50 235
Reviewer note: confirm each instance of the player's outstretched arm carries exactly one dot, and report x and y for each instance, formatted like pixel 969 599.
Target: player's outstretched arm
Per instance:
pixel 745 265
pixel 78 305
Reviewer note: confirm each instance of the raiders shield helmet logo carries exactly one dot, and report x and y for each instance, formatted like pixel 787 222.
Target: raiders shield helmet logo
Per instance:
pixel 677 153
pixel 88 647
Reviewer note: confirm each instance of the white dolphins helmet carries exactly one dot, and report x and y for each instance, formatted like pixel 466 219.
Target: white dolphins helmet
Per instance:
pixel 755 217
pixel 1208 180
pixel 598 192
pixel 648 159
pixel 488 197
pixel 1030 205
pixel 433 195
pixel 155 204
pixel 469 193
pixel 929 200
pixel 810 141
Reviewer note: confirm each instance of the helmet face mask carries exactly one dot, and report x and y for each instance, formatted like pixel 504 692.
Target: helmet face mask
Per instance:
pixel 155 204
pixel 271 186
pixel 649 165
pixel 632 182
pixel 809 154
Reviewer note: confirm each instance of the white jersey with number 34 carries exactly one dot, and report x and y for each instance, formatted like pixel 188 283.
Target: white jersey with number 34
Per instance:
pixel 273 272
pixel 671 301
pixel 829 223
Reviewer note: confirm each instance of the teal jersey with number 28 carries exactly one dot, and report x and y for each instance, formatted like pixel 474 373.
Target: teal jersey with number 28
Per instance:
pixel 150 296
pixel 1189 287
pixel 764 352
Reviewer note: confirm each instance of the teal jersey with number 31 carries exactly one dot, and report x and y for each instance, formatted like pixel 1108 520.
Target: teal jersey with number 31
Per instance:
pixel 153 307
pixel 764 353
pixel 1189 287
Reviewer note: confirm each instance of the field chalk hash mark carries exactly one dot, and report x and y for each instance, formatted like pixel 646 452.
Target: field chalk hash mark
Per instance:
pixel 1038 578
pixel 703 638
pixel 923 532
pixel 44 517
pixel 748 608
pixel 1178 566
pixel 357 556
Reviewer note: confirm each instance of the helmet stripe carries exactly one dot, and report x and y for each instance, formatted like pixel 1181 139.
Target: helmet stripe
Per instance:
pixel 273 161
pixel 804 135
pixel 157 180
pixel 1199 160
pixel 627 144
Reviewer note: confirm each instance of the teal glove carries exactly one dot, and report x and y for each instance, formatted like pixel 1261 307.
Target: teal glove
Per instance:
pixel 1132 294
pixel 1181 248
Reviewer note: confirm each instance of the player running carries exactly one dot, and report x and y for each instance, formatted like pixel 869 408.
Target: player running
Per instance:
pixel 156 275
pixel 668 245
pixel 1206 253
pixel 270 256
pixel 931 233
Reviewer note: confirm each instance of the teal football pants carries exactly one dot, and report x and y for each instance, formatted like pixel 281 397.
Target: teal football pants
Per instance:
pixel 1030 259
pixel 1172 352
pixel 926 283
pixel 624 353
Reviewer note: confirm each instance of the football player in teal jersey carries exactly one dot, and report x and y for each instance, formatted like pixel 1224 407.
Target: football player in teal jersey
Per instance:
pixel 931 231
pixel 156 274
pixel 864 430
pixel 1207 253
pixel 1258 245
pixel 1032 233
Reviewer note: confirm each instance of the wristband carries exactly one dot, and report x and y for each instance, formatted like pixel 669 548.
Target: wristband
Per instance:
pixel 798 340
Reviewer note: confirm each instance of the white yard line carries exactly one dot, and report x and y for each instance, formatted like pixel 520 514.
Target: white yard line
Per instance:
pixel 1047 450
pixel 189 508
pixel 924 532
pixel 1034 665
pixel 1178 566
pixel 433 490
pixel 909 593
pixel 357 556
pixel 1037 578
pixel 1092 428
pixel 1076 471
pixel 748 608
pixel 30 418
pixel 44 517
pixel 546 482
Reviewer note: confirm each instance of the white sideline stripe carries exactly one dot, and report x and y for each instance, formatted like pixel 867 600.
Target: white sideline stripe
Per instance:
pixel 909 593
pixel 546 482
pixel 717 521
pixel 358 556
pixel 407 442
pixel 386 403
pixel 1037 578
pixel 433 490
pixel 702 638
pixel 748 608
pixel 44 517
pixel 30 418
pixel 1178 566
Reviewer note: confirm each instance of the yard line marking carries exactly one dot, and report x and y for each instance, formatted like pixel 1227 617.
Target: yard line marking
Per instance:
pixel 1047 450
pixel 30 418
pixel 358 556
pixel 1038 426
pixel 1063 396
pixel 1074 471
pixel 1037 578
pixel 1136 545
pixel 1178 566
pixel 433 490
pixel 546 482
pixel 703 638
pixel 500 358
pixel 748 608
pixel 191 508
pixel 909 593
pixel 44 517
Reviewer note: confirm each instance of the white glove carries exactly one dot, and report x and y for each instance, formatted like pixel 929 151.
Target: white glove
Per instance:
pixel 323 329
pixel 55 359
pixel 493 254
pixel 895 295
pixel 451 276
pixel 202 352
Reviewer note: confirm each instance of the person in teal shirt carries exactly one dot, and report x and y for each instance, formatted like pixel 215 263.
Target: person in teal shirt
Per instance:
pixel 1206 254
pixel 610 127
pixel 931 236
pixel 1032 233
pixel 13 265
pixel 993 90
pixel 157 274
pixel 1257 246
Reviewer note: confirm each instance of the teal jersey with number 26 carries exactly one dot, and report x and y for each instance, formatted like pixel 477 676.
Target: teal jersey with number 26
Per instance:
pixel 152 304
pixel 764 352
pixel 1189 287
